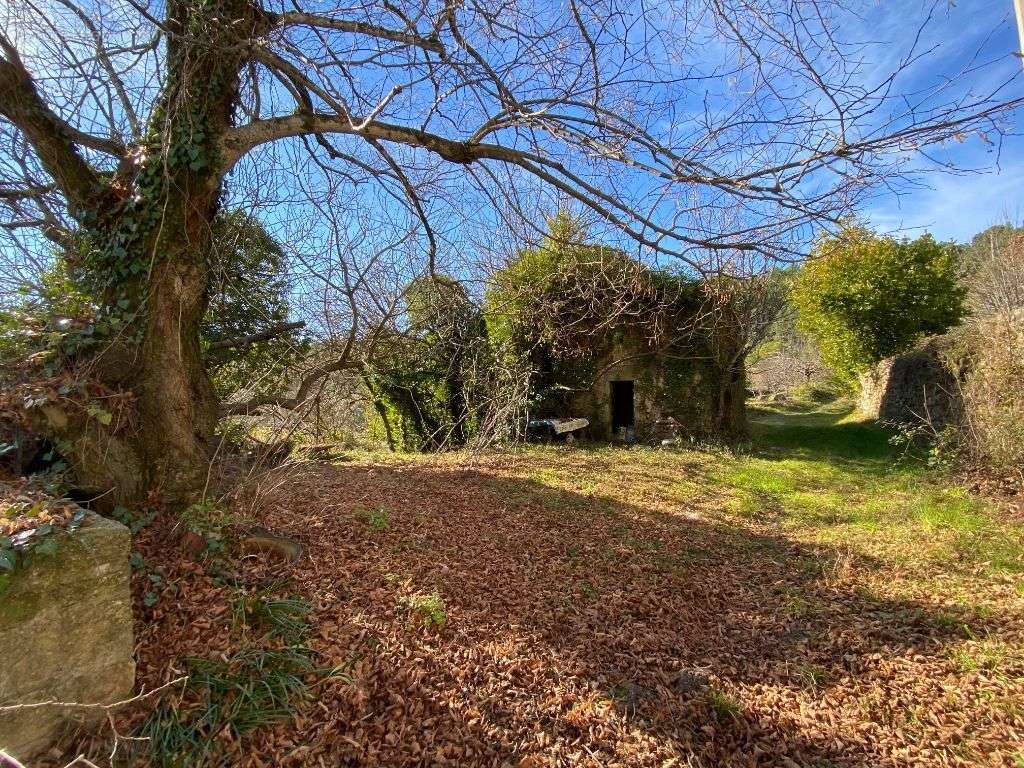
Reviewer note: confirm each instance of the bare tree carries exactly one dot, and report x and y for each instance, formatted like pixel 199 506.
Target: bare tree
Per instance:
pixel 708 125
pixel 996 271
pixel 737 317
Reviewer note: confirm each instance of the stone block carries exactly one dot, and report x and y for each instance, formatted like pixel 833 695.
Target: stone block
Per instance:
pixel 66 635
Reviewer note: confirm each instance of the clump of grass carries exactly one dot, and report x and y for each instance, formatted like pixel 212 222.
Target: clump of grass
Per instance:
pixel 988 654
pixel 234 696
pixel 722 703
pixel 265 681
pixel 795 604
pixel 377 519
pixel 277 617
pixel 811 675
pixel 429 608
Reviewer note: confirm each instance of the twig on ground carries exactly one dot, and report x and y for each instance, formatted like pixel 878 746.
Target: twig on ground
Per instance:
pixel 77 705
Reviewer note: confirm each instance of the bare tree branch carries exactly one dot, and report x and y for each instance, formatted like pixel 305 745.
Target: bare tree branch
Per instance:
pixel 253 338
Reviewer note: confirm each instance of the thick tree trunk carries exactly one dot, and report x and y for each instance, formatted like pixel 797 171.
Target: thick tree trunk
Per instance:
pixel 730 415
pixel 176 403
pixel 153 245
pixel 159 441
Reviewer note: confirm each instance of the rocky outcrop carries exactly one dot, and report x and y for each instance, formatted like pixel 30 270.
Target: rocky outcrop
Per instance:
pixel 65 635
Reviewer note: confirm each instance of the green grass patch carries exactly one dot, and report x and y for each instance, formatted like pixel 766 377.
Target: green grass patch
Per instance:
pixel 722 703
pixel 377 519
pixel 266 680
pixel 428 609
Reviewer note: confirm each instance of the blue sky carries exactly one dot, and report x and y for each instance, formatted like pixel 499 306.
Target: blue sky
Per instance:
pixel 958 206
pixel 949 206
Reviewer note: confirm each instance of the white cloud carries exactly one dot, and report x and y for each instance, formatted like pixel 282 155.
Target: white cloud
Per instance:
pixel 955 207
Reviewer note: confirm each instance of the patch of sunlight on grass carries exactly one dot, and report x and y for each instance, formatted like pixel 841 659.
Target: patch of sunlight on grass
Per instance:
pixel 827 473
pixel 684 489
pixel 876 512
pixel 760 478
pixel 985 654
pixel 819 506
pixel 545 477
pixel 949 508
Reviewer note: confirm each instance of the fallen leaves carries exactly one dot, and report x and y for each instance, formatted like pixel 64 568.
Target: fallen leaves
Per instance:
pixel 25 507
pixel 590 629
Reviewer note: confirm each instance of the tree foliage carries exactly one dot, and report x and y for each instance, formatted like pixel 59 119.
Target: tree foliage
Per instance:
pixel 427 381
pixel 569 290
pixel 57 318
pixel 248 294
pixel 864 297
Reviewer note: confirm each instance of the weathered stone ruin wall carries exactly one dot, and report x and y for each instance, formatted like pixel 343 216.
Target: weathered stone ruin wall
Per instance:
pixel 684 389
pixel 66 635
pixel 912 388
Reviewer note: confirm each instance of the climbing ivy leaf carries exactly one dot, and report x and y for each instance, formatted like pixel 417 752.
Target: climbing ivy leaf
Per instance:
pixel 102 416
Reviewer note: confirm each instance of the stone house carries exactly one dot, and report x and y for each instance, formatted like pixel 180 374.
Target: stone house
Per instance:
pixel 633 390
pixel 629 347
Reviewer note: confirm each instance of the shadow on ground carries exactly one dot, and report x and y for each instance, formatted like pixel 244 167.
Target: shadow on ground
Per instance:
pixel 581 630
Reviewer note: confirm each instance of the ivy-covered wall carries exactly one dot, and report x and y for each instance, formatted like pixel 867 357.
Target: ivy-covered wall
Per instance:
pixel 669 381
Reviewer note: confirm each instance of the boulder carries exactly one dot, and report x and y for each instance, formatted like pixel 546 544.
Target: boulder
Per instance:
pixel 66 635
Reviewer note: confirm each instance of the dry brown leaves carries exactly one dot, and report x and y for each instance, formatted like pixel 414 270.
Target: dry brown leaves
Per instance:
pixel 580 630
pixel 25 507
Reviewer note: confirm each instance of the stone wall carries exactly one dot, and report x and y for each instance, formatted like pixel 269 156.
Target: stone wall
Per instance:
pixel 66 635
pixel 665 387
pixel 912 388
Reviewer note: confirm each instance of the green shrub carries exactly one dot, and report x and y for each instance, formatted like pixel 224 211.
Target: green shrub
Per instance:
pixel 864 297
pixel 821 392
pixel 427 382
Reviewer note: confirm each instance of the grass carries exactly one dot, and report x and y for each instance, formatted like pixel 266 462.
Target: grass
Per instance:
pixel 722 703
pixel 248 690
pixel 815 474
pixel 825 474
pixel 262 683
pixel 429 609
pixel 377 519
pixel 276 617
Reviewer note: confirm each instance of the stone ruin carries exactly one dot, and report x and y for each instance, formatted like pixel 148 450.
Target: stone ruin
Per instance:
pixel 65 636
pixel 916 388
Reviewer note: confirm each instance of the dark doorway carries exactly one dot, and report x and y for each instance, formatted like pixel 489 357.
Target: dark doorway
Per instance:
pixel 622 405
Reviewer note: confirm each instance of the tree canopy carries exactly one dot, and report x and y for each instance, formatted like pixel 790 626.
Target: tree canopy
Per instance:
pixel 864 297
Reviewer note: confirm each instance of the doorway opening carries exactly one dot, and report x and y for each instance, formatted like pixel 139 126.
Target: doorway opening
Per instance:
pixel 623 416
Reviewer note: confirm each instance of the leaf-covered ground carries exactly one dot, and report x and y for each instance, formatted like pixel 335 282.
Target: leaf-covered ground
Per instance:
pixel 810 602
